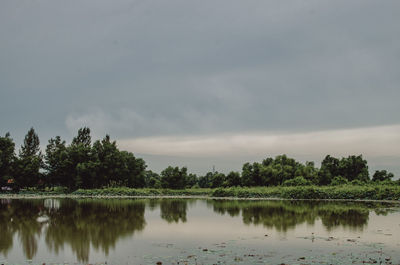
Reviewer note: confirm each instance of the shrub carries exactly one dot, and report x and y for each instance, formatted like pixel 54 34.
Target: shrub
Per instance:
pixel 339 180
pixel 297 181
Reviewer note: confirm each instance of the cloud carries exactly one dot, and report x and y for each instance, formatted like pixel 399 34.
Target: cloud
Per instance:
pixel 370 141
pixel 202 70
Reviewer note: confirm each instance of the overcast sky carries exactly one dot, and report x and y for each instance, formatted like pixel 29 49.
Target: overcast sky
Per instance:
pixel 202 83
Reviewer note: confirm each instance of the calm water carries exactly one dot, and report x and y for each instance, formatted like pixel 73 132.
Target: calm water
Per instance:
pixel 194 231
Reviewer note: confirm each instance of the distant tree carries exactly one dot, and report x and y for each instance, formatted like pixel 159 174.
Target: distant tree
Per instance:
pixel 56 163
pixel 233 179
pixel 271 171
pixel 28 164
pixel 7 157
pixel 135 169
pixel 354 167
pixel 174 177
pixel 205 181
pixel 152 179
pixel 308 172
pixel 217 180
pixel 82 163
pixel 329 169
pixel 83 137
pixel 382 175
pixel 191 180
pixel 109 163
pixel 248 175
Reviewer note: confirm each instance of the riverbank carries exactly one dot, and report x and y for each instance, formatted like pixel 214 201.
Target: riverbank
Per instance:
pixel 344 192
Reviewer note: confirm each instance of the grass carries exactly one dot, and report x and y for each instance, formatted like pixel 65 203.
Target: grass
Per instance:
pixel 349 192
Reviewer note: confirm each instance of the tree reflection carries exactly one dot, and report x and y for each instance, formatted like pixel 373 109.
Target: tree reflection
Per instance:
pixel 173 210
pixel 21 217
pixel 284 215
pixel 94 223
pixel 78 223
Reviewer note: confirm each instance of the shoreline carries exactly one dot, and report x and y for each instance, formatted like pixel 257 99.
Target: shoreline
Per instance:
pixel 204 197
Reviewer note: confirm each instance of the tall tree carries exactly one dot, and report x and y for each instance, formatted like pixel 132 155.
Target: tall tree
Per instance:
pixel 82 166
pixel 135 169
pixel 7 157
pixel 29 162
pixel 56 163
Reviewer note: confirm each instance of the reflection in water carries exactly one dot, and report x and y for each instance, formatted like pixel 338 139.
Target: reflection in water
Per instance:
pixel 21 217
pixel 78 223
pixel 100 223
pixel 97 223
pixel 173 210
pixel 284 215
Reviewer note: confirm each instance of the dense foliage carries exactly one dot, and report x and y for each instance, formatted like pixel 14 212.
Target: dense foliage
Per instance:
pixel 78 165
pixel 86 165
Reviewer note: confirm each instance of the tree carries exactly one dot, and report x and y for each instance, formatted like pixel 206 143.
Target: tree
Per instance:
pixel 217 180
pixel 7 157
pixel 174 178
pixel 191 180
pixel 135 170
pixel 329 169
pixel 247 175
pixel 80 161
pixel 56 163
pixel 233 179
pixel 109 163
pixel 29 162
pixel 205 181
pixel 152 179
pixel 354 167
pixel 382 175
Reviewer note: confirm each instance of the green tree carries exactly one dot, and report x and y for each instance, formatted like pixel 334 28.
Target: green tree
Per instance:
pixel 29 162
pixel 217 180
pixel 56 163
pixel 152 179
pixel 382 175
pixel 108 162
pixel 7 157
pixel 233 179
pixel 247 175
pixel 82 165
pixel 135 170
pixel 191 180
pixel 329 169
pixel 354 167
pixel 174 178
pixel 205 181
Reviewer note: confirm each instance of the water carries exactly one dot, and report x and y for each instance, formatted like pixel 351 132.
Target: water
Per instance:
pixel 196 231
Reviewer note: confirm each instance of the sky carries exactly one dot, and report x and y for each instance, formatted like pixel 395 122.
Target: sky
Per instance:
pixel 207 83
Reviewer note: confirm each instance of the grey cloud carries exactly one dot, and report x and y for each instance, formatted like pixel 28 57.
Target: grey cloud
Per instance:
pixel 178 68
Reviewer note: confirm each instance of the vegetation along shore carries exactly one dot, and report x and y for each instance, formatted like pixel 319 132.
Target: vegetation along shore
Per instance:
pixel 83 168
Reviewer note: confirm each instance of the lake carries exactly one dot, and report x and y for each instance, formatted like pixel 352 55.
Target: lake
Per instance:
pixel 197 231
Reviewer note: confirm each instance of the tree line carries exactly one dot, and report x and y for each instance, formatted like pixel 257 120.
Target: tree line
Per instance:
pixel 87 165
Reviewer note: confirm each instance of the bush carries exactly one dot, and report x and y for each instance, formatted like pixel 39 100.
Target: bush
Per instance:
pixel 358 182
pixel 297 181
pixel 339 180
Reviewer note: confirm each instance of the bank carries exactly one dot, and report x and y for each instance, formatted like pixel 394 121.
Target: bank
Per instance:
pixel 343 192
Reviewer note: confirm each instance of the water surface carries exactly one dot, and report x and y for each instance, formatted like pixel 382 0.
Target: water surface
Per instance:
pixel 197 231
